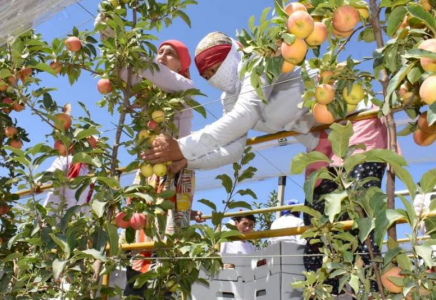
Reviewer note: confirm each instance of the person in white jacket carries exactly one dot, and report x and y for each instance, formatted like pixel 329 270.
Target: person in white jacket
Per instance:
pixel 288 219
pixel 63 198
pixel 223 141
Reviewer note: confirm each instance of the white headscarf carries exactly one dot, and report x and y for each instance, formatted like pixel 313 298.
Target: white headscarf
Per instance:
pixel 226 78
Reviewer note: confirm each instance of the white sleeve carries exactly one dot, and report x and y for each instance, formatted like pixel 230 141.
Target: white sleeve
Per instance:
pixel 165 79
pixel 219 157
pixel 60 163
pixel 230 127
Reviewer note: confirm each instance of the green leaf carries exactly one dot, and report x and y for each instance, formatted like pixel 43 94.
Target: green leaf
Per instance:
pixel 229 234
pixel 226 182
pixel 404 262
pixel 113 238
pixel 99 208
pixel 68 215
pixel 383 221
pixel 43 67
pixel 340 137
pixel 354 283
pixel 428 181
pixel 419 53
pixel 367 35
pixel 310 182
pixel 398 78
pixel 87 133
pixel 365 226
pixel 406 178
pixel 217 217
pixel 183 15
pixel 333 204
pixel 411 214
pixel 390 255
pixel 82 157
pixel 58 267
pixel 431 114
pixel 353 160
pixel 419 12
pixel 61 243
pixel 167 194
pixel 302 160
pixel 110 182
pixel 247 192
pixel 208 203
pixel 94 254
pixel 425 252
pixel 196 106
pixel 395 19
pixel 12 256
pixel 235 204
pixel 247 158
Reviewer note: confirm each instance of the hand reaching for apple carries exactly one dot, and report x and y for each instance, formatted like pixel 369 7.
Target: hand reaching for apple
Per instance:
pixel 177 166
pixel 163 149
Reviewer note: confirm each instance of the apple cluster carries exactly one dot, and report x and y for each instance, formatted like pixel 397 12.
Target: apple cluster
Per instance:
pixel 307 32
pixel 424 134
pixel 146 137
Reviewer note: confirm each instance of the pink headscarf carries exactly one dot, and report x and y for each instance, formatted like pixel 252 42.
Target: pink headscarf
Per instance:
pixel 182 51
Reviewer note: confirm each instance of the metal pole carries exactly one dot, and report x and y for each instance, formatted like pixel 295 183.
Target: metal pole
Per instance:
pixel 281 194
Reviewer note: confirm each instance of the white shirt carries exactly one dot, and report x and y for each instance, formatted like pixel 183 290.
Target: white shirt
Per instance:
pixel 62 163
pixel 237 247
pixel 287 221
pixel 170 82
pixel 223 141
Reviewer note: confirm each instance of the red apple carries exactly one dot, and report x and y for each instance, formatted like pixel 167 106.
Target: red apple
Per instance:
pixel 56 66
pixel 17 144
pixel 59 146
pixel 24 73
pixel 10 131
pixel 138 221
pixel 62 120
pixel 9 101
pixel 4 208
pixel 152 124
pixel 73 44
pixel 104 86
pixel 17 106
pixel 120 222
pixel 92 142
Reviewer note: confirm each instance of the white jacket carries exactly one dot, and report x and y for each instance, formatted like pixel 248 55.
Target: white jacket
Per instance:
pixel 64 194
pixel 287 221
pixel 223 141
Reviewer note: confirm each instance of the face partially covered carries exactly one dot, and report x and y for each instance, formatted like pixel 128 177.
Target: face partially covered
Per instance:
pixel 169 57
pixel 209 72
pixel 245 225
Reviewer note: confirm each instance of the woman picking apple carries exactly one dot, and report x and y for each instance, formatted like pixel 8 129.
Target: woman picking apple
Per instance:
pixel 174 61
pixel 222 142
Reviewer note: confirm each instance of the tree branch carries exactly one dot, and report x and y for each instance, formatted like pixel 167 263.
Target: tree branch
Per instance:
pixel 389 118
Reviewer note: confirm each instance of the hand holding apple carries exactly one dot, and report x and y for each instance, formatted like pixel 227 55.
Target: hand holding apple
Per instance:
pixel 163 149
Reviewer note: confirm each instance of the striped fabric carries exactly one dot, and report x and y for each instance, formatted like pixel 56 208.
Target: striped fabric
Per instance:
pixel 184 183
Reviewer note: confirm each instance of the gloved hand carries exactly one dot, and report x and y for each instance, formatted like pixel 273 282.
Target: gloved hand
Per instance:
pixel 107 32
pixel 421 205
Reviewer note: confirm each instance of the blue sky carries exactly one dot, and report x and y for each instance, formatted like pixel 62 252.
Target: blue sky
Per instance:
pixel 209 15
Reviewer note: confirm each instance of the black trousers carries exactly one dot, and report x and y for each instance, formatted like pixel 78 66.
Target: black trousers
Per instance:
pixel 129 289
pixel 313 263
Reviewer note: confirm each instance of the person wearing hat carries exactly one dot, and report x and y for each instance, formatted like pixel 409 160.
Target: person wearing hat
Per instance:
pixel 288 219
pixel 218 60
pixel 173 60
